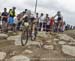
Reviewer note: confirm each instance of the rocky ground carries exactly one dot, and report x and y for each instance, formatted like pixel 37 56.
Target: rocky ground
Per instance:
pixel 47 47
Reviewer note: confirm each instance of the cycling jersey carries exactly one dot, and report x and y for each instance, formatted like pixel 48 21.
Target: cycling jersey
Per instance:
pixel 59 17
pixel 41 19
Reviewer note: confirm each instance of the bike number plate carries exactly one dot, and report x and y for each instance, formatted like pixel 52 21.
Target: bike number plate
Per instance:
pixel 26 24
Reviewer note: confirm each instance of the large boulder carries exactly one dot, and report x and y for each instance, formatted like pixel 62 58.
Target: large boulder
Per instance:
pixel 65 37
pixel 17 39
pixel 19 58
pixel 42 34
pixel 70 50
pixel 11 38
pixel 3 36
pixel 55 39
pixel 2 55
pixel 27 52
pixel 11 33
pixel 61 42
pixel 35 43
pixel 72 43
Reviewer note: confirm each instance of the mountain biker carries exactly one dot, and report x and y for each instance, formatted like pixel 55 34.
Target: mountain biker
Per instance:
pixel 25 18
pixel 59 20
pixel 4 17
pixel 19 16
pixel 30 19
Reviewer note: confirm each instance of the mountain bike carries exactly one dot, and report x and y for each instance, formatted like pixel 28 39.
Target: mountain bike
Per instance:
pixel 27 33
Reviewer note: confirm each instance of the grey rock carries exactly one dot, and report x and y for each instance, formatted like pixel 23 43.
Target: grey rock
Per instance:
pixel 27 51
pixel 70 50
pixel 17 39
pixel 55 39
pixel 2 55
pixel 19 58
pixel 65 37
pixel 3 35
pixel 62 42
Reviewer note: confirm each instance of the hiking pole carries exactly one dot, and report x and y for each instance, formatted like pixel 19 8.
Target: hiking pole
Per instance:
pixel 36 6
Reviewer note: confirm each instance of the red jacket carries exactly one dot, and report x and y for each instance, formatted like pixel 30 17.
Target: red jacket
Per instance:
pixel 51 21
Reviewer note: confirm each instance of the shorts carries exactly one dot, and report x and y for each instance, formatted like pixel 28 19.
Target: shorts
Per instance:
pixel 59 19
pixel 11 20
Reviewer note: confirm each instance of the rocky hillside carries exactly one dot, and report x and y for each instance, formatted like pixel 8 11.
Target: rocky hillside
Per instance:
pixel 47 47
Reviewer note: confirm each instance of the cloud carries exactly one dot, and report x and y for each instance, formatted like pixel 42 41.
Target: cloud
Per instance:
pixel 45 6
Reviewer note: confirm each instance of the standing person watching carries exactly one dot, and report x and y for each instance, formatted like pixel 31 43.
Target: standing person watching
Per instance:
pixel 41 21
pixel 47 19
pixel 4 17
pixel 0 22
pixel 52 24
pixel 11 18
pixel 37 19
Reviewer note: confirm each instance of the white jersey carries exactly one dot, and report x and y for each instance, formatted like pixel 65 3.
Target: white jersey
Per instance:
pixel 41 19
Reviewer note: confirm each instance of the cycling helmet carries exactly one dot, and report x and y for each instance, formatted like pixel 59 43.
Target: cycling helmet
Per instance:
pixel 58 12
pixel 14 7
pixel 28 12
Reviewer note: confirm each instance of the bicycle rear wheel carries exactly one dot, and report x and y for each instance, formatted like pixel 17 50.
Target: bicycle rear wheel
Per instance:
pixel 24 38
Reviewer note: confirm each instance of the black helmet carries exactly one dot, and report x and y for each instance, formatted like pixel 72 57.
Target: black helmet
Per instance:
pixel 25 10
pixel 14 7
pixel 58 12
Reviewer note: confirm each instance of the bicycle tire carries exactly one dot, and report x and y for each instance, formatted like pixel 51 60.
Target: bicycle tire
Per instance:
pixel 24 38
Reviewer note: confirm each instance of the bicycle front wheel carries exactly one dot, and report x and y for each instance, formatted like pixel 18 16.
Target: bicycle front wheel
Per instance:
pixel 24 38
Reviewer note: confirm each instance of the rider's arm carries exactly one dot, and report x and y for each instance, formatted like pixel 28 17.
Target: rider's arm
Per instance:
pixel 55 16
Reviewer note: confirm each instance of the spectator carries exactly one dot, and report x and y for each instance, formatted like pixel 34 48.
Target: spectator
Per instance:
pixel 41 21
pixel 47 19
pixel 37 18
pixel 52 24
pixel 4 20
pixel 0 21
pixel 11 18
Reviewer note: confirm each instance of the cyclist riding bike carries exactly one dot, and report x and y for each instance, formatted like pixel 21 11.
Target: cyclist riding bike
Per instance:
pixel 28 28
pixel 59 20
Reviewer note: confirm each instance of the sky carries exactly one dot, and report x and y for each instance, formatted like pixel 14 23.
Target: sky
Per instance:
pixel 67 7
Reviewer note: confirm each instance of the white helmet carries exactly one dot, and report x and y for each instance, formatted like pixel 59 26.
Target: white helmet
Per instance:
pixel 28 12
